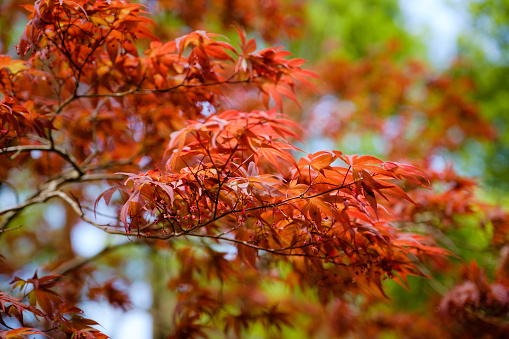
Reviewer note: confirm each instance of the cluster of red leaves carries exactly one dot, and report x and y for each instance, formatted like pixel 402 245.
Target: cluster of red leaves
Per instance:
pixel 433 110
pixel 48 307
pixel 88 24
pixel 453 195
pixel 87 71
pixel 453 199
pixel 9 69
pixel 478 306
pixel 272 19
pixel 15 119
pixel 113 295
pixel 500 221
pixel 82 32
pixel 220 183
pixel 200 295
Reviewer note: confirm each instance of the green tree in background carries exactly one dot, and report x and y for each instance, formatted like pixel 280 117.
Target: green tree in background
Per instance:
pixel 485 48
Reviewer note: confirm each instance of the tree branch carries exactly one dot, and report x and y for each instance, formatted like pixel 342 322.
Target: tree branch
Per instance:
pixel 49 148
pixel 50 189
pixel 10 229
pixel 164 90
pixel 78 262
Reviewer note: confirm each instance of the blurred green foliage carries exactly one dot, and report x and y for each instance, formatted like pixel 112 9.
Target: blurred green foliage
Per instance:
pixel 352 29
pixel 485 46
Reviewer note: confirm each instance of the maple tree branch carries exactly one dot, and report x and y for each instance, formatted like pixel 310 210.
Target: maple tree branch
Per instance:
pixel 78 262
pixel 45 192
pixel 138 91
pixel 10 229
pixel 113 163
pixel 300 196
pixel 234 210
pixel 10 213
pixel 280 251
pixel 77 209
pixel 277 251
pixel 50 148
pixel 65 103
pixel 163 90
pixel 189 231
pixel 221 183
pixel 50 189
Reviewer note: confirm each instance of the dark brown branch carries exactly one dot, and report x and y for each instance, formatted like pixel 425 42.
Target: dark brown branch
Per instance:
pixel 78 262
pixel 49 148
pixel 162 90
pixel 10 229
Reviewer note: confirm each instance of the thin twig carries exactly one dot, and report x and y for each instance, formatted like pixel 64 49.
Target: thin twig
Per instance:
pixel 10 229
pixel 79 262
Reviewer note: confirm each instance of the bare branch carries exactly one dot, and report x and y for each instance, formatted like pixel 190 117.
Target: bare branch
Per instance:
pixel 49 148
pixel 50 189
pixel 165 90
pixel 101 176
pixel 78 262
pixel 10 229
